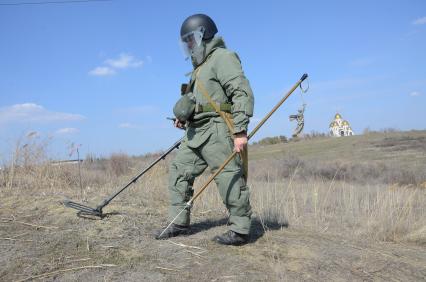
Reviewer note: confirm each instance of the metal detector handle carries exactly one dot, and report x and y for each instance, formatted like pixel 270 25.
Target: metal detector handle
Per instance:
pixel 134 179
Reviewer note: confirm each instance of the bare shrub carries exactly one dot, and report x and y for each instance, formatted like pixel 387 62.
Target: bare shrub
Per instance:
pixel 119 164
pixel 271 140
pixel 27 161
pixel 367 130
pixel 315 135
pixel 389 130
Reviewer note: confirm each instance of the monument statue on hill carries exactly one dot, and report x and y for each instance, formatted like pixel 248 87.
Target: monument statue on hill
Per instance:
pixel 299 117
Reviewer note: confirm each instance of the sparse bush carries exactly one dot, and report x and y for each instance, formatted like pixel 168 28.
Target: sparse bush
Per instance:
pixel 389 130
pixel 90 158
pixel 314 135
pixel 119 164
pixel 272 140
pixel 367 130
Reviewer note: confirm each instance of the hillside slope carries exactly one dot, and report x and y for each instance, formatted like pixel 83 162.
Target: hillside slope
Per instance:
pixel 406 148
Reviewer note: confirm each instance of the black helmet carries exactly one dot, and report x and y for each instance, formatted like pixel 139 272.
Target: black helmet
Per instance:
pixel 194 22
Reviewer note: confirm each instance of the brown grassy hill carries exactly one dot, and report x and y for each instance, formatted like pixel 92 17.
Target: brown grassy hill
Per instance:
pixel 395 157
pixel 404 145
pixel 346 209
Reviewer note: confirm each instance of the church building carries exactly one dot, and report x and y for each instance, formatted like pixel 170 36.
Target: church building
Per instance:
pixel 340 127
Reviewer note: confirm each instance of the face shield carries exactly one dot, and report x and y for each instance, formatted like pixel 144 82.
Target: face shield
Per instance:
pixel 192 46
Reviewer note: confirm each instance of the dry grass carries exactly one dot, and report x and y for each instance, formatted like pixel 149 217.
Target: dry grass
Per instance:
pixel 363 173
pixel 378 212
pixel 373 199
pixel 368 199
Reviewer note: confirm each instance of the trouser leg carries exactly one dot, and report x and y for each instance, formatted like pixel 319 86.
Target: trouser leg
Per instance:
pixel 183 170
pixel 231 184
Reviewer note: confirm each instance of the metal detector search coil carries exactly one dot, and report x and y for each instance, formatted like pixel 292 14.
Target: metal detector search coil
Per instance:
pixel 85 211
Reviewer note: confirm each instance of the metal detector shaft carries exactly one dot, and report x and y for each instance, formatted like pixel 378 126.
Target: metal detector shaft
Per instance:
pixel 106 201
pixel 253 132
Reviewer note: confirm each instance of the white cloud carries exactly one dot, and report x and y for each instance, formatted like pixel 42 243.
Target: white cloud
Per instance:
pixel 67 130
pixel 415 93
pixel 419 21
pixel 110 66
pixel 124 61
pixel 30 112
pixel 102 71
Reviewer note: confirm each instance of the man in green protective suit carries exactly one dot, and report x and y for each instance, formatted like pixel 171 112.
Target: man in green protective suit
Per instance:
pixel 214 109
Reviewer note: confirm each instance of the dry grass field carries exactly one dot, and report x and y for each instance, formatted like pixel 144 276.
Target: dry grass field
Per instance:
pixel 325 209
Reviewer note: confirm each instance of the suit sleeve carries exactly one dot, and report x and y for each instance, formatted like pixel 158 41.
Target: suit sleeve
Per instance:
pixel 236 86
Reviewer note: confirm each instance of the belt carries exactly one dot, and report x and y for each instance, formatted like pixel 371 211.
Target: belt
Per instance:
pixel 224 107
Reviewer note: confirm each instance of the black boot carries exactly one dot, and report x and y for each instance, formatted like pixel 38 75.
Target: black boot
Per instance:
pixel 172 231
pixel 231 238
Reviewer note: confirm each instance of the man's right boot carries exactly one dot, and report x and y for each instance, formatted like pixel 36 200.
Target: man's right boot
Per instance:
pixel 232 238
pixel 172 231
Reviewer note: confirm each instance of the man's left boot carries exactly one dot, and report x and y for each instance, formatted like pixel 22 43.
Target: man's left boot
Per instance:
pixel 172 231
pixel 231 238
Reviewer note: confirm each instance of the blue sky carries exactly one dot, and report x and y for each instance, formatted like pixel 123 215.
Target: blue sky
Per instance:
pixel 107 74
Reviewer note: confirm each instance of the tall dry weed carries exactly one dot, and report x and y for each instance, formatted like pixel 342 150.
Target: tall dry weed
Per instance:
pixel 332 204
pixel 366 200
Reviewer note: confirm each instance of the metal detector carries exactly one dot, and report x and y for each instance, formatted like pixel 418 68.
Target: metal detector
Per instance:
pixel 86 211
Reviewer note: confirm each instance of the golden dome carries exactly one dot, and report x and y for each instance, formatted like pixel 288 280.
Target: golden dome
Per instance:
pixel 337 116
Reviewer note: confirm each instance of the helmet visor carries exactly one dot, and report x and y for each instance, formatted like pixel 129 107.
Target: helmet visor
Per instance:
pixel 192 41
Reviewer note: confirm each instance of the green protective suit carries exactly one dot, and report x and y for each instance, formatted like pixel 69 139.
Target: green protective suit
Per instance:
pixel 208 141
